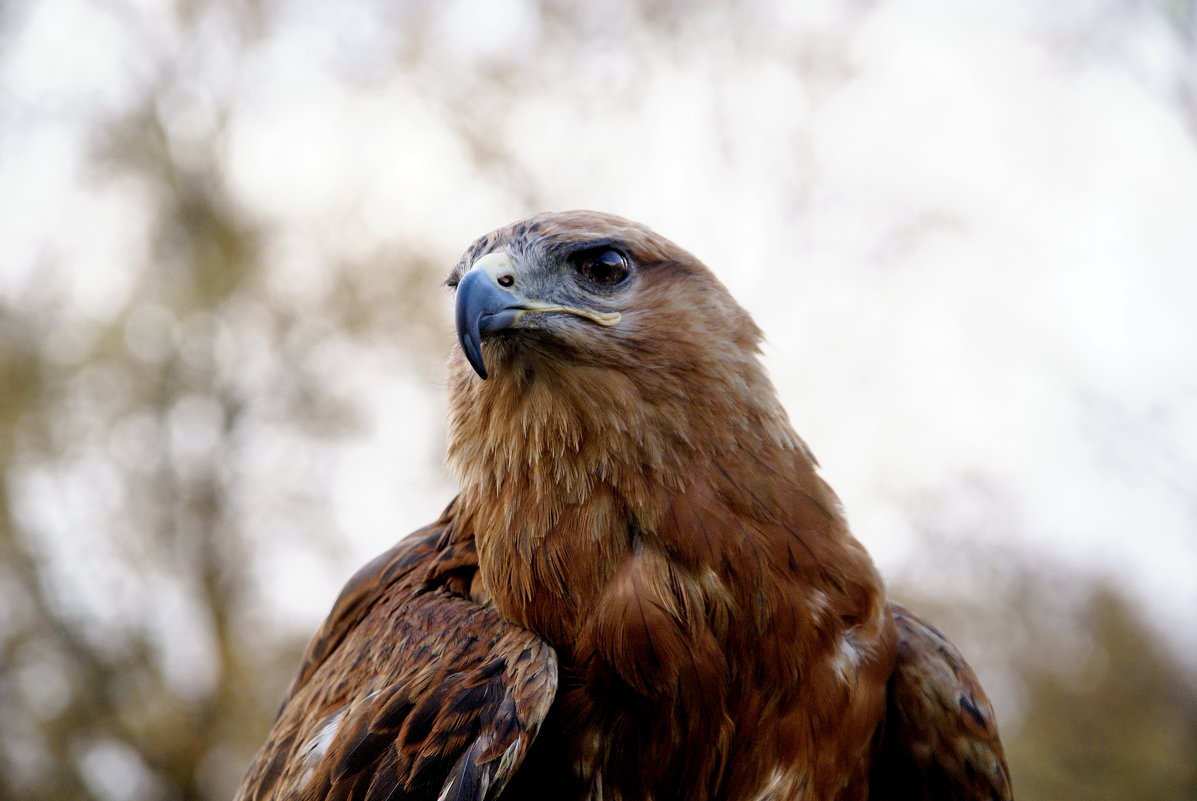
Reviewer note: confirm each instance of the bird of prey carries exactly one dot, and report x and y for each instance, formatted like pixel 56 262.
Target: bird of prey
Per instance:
pixel 643 590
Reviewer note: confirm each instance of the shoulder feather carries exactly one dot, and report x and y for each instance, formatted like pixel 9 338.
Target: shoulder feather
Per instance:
pixel 408 691
pixel 940 739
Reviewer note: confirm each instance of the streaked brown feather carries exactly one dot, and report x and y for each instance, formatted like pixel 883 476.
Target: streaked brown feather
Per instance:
pixel 940 739
pixel 634 504
pixel 408 689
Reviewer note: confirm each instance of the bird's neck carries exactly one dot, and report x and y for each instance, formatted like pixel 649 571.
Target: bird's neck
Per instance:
pixel 567 477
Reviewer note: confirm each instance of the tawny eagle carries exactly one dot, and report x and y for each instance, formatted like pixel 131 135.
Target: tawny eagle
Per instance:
pixel 643 589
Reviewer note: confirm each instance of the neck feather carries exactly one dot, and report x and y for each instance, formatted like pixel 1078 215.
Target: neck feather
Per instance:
pixel 563 466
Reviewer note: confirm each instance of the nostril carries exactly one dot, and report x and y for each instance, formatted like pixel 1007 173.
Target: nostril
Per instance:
pixel 506 279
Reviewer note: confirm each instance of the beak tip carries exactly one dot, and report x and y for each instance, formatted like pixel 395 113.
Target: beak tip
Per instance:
pixel 479 367
pixel 471 346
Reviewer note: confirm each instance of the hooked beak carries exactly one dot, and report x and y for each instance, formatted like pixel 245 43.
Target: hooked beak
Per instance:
pixel 488 300
pixel 484 306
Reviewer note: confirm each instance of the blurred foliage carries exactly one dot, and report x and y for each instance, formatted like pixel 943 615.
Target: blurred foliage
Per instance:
pixel 127 440
pixel 1120 722
pixel 134 441
pixel 1093 703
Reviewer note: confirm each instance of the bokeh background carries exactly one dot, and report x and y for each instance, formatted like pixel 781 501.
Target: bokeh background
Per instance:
pixel 967 227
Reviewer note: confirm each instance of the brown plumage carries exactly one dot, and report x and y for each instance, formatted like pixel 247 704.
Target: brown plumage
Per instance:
pixel 644 590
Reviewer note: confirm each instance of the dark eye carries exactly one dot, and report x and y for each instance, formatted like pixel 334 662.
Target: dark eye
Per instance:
pixel 602 266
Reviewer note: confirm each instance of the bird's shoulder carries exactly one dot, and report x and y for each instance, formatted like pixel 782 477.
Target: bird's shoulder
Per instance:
pixel 410 688
pixel 940 738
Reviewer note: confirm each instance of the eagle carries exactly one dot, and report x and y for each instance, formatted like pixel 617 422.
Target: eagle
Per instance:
pixel 643 589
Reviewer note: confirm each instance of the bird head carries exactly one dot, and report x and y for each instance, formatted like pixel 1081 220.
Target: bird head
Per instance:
pixel 595 350
pixel 591 288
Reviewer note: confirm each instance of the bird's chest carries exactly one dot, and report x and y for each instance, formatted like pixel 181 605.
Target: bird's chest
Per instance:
pixel 603 752
pixel 592 751
pixel 636 723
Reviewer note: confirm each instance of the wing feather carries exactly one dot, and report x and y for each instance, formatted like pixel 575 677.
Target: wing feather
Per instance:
pixel 408 691
pixel 940 739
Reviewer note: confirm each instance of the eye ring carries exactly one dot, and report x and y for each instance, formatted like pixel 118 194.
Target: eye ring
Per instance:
pixel 602 266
